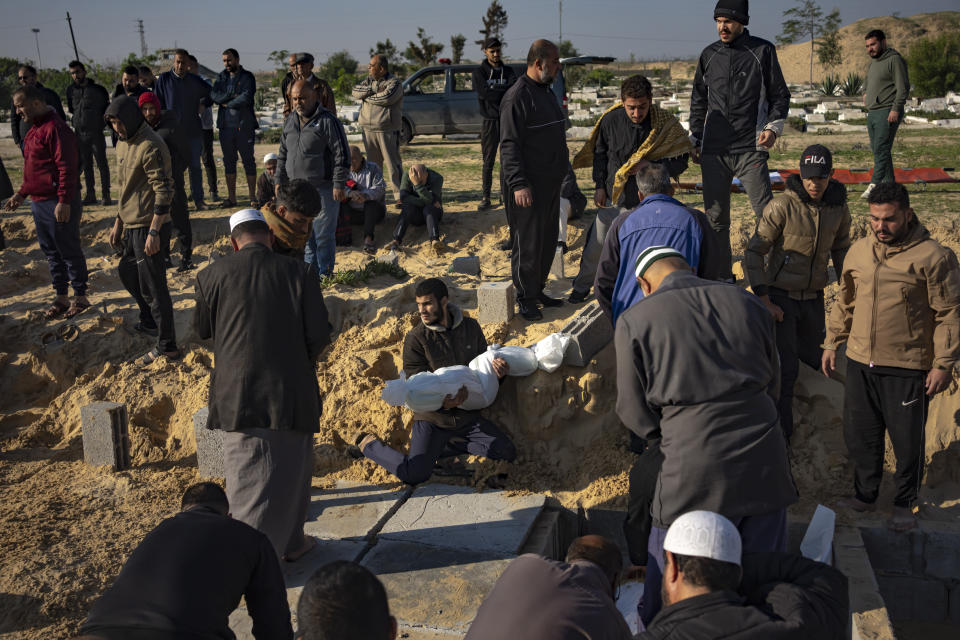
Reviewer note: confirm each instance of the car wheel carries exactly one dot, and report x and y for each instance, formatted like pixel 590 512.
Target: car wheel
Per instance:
pixel 406 132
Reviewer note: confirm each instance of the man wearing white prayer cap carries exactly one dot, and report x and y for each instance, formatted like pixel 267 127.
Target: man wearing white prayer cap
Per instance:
pixel 265 314
pixel 698 377
pixel 711 590
pixel 265 184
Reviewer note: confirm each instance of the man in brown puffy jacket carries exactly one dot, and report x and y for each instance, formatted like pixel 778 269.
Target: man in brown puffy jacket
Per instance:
pixel 898 310
pixel 798 233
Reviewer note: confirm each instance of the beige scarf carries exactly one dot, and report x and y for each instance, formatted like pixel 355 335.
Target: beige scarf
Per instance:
pixel 285 234
pixel 667 139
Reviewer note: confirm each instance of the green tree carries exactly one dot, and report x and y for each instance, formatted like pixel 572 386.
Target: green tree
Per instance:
pixel 807 19
pixel 599 77
pixel 830 49
pixel 934 65
pixel 457 43
pixel 339 61
pixel 424 52
pixel 494 23
pixel 281 66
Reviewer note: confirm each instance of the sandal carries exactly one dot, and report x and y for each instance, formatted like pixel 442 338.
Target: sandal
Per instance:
pixel 55 310
pixel 369 248
pixel 154 354
pixel 68 332
pixel 76 307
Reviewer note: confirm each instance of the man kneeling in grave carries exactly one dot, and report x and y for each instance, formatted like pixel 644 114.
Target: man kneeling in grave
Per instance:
pixel 444 338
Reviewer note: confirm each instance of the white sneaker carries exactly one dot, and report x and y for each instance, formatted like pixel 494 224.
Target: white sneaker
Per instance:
pixel 866 193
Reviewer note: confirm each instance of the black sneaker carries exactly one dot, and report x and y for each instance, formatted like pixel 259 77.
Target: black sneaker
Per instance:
pixel 577 297
pixel 107 202
pixel 506 245
pixel 186 265
pixel 530 312
pixel 167 262
pixel 486 205
pixel 89 199
pixel 153 332
pixel 547 301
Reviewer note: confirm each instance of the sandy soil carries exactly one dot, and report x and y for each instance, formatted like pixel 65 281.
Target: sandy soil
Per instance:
pixel 67 528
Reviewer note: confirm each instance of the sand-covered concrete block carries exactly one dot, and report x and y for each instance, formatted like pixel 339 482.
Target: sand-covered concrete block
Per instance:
pixel 469 265
pixel 496 302
pixel 209 446
pixel 106 439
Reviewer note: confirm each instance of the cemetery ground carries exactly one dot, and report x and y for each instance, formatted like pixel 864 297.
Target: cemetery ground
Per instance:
pixel 67 528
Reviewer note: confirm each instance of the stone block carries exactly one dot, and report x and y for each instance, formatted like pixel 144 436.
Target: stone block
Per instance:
pixel 851 114
pixel 556 267
pixel 947 124
pixel 893 553
pixel 469 265
pixel 933 104
pixel 815 117
pixel 824 107
pixel 106 439
pixel 434 587
pixel 209 446
pixel 796 113
pixel 351 510
pixel 496 302
pixel 589 332
pixel 909 598
pixel 454 517
pixel 941 554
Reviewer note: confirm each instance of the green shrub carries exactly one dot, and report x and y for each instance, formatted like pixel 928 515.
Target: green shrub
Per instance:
pixel 853 85
pixel 830 85
pixel 935 65
pixel 270 136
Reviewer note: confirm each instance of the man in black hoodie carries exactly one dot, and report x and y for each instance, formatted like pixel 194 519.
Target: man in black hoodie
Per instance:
pixel 27 76
pixel 165 124
pixel 491 80
pixel 737 111
pixel 533 162
pixel 87 102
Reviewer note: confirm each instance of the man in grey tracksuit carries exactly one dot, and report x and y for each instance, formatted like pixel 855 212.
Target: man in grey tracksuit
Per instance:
pixel 709 403
pixel 737 111
pixel 314 147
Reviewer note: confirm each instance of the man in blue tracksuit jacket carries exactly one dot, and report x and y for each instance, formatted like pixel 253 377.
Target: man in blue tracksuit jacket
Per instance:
pixel 658 220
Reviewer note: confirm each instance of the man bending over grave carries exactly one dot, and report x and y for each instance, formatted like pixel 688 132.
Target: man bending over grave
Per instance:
pixel 444 338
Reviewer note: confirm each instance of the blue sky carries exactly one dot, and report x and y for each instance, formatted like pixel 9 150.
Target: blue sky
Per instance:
pixel 650 29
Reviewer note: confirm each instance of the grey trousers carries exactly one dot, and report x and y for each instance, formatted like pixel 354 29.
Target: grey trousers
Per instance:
pixel 718 172
pixel 593 247
pixel 268 476
pixel 383 148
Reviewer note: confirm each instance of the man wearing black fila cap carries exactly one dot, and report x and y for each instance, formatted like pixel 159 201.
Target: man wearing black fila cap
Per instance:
pixel 737 111
pixel 491 80
pixel 798 233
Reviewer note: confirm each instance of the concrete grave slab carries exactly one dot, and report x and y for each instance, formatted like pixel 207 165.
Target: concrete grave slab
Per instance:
pixel 351 511
pixel 209 446
pixel 296 575
pixel 452 517
pixel 106 438
pixel 439 588
pixel 496 302
pixel 469 265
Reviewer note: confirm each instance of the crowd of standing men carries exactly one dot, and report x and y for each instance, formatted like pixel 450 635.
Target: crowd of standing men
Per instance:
pixel 711 482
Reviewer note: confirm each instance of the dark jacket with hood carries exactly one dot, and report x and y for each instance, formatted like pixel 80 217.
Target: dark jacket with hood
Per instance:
pixel 317 151
pixel 491 83
pixel 183 96
pixel 738 91
pixel 698 370
pixel 143 163
pixel 266 316
pixel 782 596
pixel 797 236
pixel 87 104
pixel 533 138
pixel 19 126
pixel 177 145
pixel 428 347
pixel 235 97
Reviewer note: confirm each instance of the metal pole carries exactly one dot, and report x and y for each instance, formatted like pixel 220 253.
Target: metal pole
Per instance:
pixel 561 21
pixel 76 54
pixel 37 38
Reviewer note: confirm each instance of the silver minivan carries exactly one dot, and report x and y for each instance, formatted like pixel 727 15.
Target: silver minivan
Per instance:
pixel 441 99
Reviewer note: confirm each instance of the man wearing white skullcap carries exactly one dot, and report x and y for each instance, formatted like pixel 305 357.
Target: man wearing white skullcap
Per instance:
pixel 711 590
pixel 265 186
pixel 698 377
pixel 265 314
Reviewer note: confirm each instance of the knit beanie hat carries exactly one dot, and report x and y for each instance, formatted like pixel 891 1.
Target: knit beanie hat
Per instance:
pixel 151 97
pixel 738 10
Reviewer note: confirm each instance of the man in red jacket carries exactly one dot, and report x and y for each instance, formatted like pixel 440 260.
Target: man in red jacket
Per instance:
pixel 51 179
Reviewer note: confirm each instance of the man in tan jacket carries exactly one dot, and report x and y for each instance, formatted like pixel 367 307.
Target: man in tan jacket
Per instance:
pixel 898 310
pixel 381 105
pixel 143 222
pixel 797 235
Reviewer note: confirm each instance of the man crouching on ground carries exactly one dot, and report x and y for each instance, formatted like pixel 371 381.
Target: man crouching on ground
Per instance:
pixel 445 338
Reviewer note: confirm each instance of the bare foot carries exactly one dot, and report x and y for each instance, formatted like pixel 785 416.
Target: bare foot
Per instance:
pixel 309 542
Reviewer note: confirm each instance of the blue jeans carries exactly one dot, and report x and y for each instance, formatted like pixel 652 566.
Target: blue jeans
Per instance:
pixel 196 175
pixel 322 243
pixel 60 243
pixel 767 532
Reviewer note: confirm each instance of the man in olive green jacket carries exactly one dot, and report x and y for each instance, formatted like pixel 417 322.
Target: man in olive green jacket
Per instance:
pixel 898 311
pixel 886 93
pixel 143 222
pixel 798 232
